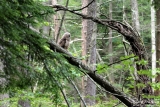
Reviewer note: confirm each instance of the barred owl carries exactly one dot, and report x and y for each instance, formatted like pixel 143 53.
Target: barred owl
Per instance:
pixel 64 41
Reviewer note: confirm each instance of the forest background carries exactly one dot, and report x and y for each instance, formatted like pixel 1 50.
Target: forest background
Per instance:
pixel 101 67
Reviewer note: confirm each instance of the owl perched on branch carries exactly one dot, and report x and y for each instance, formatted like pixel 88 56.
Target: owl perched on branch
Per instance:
pixel 64 41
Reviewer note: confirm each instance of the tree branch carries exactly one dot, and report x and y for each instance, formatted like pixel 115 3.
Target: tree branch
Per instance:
pixel 118 26
pixel 57 36
pixel 135 42
pixel 137 48
pixel 76 88
pixel 97 78
pixel 128 101
pixel 84 6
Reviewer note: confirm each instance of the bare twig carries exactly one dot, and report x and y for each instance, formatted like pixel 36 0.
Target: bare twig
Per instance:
pixel 75 87
pixel 75 40
pixel 116 62
pixel 84 6
pixel 59 85
pixel 117 104
pixel 121 60
pixel 57 36
pixel 110 37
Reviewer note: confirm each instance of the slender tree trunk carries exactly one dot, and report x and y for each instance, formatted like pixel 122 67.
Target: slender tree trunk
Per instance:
pixel 89 48
pixel 55 21
pixel 111 77
pixel 84 46
pixel 136 26
pixel 157 80
pixel 135 15
pixel 153 41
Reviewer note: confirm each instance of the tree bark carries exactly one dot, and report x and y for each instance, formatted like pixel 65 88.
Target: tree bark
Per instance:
pixel 111 77
pixel 135 15
pixel 157 80
pixel 55 22
pixel 136 26
pixel 89 49
pixel 153 40
pixel 61 23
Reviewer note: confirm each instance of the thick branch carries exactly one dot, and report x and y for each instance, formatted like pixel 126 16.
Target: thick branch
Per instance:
pixel 97 78
pixel 131 36
pixel 120 27
pixel 137 47
pixel 130 102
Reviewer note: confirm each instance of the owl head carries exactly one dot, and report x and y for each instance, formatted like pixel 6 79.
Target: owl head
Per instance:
pixel 67 35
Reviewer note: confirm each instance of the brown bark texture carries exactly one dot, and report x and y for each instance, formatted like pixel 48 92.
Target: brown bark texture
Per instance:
pixel 110 48
pixel 135 15
pixel 89 49
pixel 56 22
pixel 157 79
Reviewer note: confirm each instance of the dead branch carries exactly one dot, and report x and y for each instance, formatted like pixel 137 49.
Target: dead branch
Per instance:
pixel 127 100
pixel 84 6
pixel 57 36
pixel 130 102
pixel 135 42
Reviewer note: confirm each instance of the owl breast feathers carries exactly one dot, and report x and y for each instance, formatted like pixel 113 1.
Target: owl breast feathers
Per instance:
pixel 64 41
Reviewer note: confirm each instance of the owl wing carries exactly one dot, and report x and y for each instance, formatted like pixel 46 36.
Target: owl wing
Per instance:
pixel 62 43
pixel 66 44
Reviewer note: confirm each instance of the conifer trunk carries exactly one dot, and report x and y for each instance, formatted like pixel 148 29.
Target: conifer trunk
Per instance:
pixel 157 80
pixel 89 49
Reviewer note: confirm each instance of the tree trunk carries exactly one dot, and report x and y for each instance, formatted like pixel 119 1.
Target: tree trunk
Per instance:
pixel 111 77
pixel 89 48
pixel 153 41
pixel 136 26
pixel 135 15
pixel 46 29
pixel 157 80
pixel 55 22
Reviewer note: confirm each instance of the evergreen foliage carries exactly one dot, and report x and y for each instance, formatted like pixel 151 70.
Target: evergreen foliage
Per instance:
pixel 31 69
pixel 27 61
pixel 19 44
